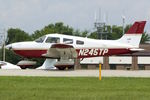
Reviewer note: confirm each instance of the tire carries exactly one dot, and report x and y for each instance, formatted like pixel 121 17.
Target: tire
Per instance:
pixel 61 68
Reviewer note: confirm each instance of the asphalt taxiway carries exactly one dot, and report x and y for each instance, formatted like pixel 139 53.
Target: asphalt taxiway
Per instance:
pixel 75 73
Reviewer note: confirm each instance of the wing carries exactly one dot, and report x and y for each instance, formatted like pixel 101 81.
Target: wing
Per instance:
pixel 61 51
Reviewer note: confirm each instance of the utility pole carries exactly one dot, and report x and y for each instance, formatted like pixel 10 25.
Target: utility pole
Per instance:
pixel 4 40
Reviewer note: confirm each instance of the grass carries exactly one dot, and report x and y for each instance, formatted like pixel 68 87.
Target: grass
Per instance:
pixel 65 88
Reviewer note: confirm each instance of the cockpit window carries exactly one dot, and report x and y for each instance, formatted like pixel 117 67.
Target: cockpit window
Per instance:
pixel 41 39
pixel 52 40
pixel 67 41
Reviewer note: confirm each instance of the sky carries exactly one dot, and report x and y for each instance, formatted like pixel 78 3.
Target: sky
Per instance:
pixel 32 15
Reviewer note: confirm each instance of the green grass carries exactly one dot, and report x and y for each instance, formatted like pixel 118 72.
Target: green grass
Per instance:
pixel 64 88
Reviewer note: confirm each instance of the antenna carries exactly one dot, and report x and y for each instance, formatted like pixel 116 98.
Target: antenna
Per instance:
pixel 95 16
pixel 100 14
pixel 107 18
pixel 100 26
pixel 104 18
pixel 123 23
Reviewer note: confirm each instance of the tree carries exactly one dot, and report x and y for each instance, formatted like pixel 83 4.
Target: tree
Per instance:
pixel 93 35
pixel 84 33
pixel 77 33
pixel 17 35
pixel 145 38
pixel 127 27
pixel 116 32
pixel 58 27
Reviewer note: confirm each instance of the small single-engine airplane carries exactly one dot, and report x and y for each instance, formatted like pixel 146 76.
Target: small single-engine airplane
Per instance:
pixel 60 50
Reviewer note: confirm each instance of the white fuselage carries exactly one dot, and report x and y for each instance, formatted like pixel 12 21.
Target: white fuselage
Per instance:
pixel 85 47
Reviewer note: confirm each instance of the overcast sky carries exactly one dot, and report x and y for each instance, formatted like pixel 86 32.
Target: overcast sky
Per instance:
pixel 31 15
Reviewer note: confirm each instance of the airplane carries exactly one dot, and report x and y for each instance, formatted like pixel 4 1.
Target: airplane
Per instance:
pixel 60 50
pixel 7 65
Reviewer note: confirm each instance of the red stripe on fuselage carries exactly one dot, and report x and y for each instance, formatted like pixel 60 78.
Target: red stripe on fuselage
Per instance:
pixel 30 53
pixel 82 53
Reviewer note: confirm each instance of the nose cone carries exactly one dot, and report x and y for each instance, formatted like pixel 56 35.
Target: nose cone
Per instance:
pixel 9 46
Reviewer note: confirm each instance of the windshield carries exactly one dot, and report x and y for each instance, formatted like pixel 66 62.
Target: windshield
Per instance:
pixel 41 39
pixel 52 40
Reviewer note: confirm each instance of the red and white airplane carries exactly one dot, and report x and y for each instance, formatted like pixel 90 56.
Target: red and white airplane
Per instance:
pixel 64 47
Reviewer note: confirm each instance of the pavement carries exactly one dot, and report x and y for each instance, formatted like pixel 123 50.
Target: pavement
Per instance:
pixel 75 73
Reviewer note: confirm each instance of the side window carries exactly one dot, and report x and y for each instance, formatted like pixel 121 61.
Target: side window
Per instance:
pixel 79 42
pixel 52 40
pixel 67 41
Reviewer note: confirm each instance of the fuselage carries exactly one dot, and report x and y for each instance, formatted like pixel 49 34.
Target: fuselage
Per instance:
pixel 85 47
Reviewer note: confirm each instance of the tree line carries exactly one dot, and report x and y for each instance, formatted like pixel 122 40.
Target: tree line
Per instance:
pixel 18 35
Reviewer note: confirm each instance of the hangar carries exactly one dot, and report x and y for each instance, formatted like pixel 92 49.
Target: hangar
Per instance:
pixel 136 61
